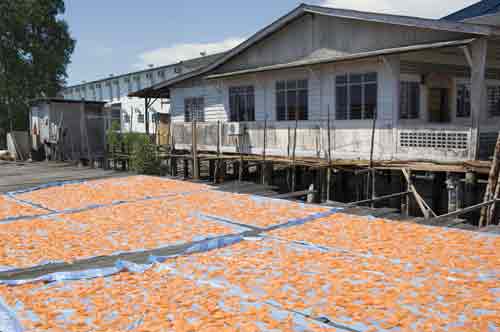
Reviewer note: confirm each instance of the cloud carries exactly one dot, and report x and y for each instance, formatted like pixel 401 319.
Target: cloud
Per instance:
pixel 420 8
pixel 180 52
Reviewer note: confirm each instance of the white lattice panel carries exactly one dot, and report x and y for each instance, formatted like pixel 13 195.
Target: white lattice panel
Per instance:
pixel 434 140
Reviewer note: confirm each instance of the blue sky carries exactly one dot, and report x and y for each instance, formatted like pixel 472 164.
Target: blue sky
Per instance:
pixel 115 37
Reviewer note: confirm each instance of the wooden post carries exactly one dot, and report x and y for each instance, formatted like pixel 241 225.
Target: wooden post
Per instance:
pixel 186 168
pixel 329 146
pixel 408 198
pixel 194 144
pixel 217 161
pixel 478 54
pixel 264 151
pixel 146 114
pixel 294 151
pixel 492 184
pixel 240 164
pixel 173 166
pixel 424 207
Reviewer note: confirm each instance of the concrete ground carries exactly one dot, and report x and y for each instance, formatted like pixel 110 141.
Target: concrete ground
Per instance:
pixel 23 175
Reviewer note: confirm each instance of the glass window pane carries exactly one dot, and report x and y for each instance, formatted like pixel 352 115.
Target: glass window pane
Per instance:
pixel 341 79
pixel 291 85
pixel 302 84
pixel 355 102
pixel 403 100
pixel 370 77
pixel 355 78
pixel 250 107
pixel 341 103
pixel 414 100
pixel 281 106
pixel 280 85
pixel 233 107
pixel 302 105
pixel 370 101
pixel 292 103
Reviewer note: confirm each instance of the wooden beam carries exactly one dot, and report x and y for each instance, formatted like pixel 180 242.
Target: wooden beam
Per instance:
pixel 295 194
pixel 463 211
pixel 426 210
pixel 478 50
pixel 492 184
pixel 196 168
pixel 381 198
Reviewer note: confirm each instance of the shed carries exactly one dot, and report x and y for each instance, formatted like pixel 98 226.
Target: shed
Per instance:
pixel 65 129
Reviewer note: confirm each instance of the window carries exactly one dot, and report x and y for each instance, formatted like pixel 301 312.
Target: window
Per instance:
pixel 161 74
pixel 356 96
pixel 463 101
pixel 494 100
pixel 126 117
pixel 193 109
pixel 409 100
pixel 242 103
pixel 292 100
pixel 140 118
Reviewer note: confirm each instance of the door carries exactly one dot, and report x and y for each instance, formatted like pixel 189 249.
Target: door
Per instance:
pixel 439 106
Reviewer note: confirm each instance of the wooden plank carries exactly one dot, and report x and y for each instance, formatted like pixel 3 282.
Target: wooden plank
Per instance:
pixel 426 210
pixel 462 211
pixel 381 198
pixel 492 183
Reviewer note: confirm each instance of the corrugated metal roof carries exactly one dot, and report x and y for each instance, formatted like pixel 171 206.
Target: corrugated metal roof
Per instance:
pixel 315 61
pixel 480 8
pixel 191 64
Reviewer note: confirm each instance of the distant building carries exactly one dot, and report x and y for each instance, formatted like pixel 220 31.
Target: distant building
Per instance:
pixel 128 113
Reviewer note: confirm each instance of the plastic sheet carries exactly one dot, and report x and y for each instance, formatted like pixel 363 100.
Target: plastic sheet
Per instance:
pixel 123 265
pixel 156 300
pixel 361 292
pixel 65 196
pixel 456 249
pixel 106 231
pixel 12 210
pixel 258 212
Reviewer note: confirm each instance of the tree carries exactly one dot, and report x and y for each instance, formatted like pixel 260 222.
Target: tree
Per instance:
pixel 35 49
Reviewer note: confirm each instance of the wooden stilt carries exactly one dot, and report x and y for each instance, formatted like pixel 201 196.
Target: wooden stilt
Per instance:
pixel 196 166
pixel 485 218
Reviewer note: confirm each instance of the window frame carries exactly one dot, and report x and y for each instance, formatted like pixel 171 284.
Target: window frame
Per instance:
pixel 247 94
pixel 458 85
pixel 300 90
pixel 200 113
pixel 348 84
pixel 493 113
pixel 409 115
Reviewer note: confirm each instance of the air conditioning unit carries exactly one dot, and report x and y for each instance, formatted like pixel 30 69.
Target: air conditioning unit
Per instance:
pixel 235 129
pixel 178 70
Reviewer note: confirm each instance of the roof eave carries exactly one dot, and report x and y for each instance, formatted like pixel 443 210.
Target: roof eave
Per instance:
pixel 352 57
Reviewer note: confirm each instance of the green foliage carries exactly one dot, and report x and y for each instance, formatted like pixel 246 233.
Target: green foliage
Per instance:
pixel 35 49
pixel 113 138
pixel 143 158
pixel 141 151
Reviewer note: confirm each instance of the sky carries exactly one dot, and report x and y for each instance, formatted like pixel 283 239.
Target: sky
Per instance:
pixel 120 36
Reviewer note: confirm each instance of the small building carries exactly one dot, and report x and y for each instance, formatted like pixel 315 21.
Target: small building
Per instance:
pixel 351 84
pixel 66 129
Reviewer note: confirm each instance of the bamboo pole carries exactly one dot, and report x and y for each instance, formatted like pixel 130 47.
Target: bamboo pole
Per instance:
pixel 492 184
pixel 329 170
pixel 424 207
pixel 217 161
pixel 294 150
pixel 263 167
pixel 194 144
